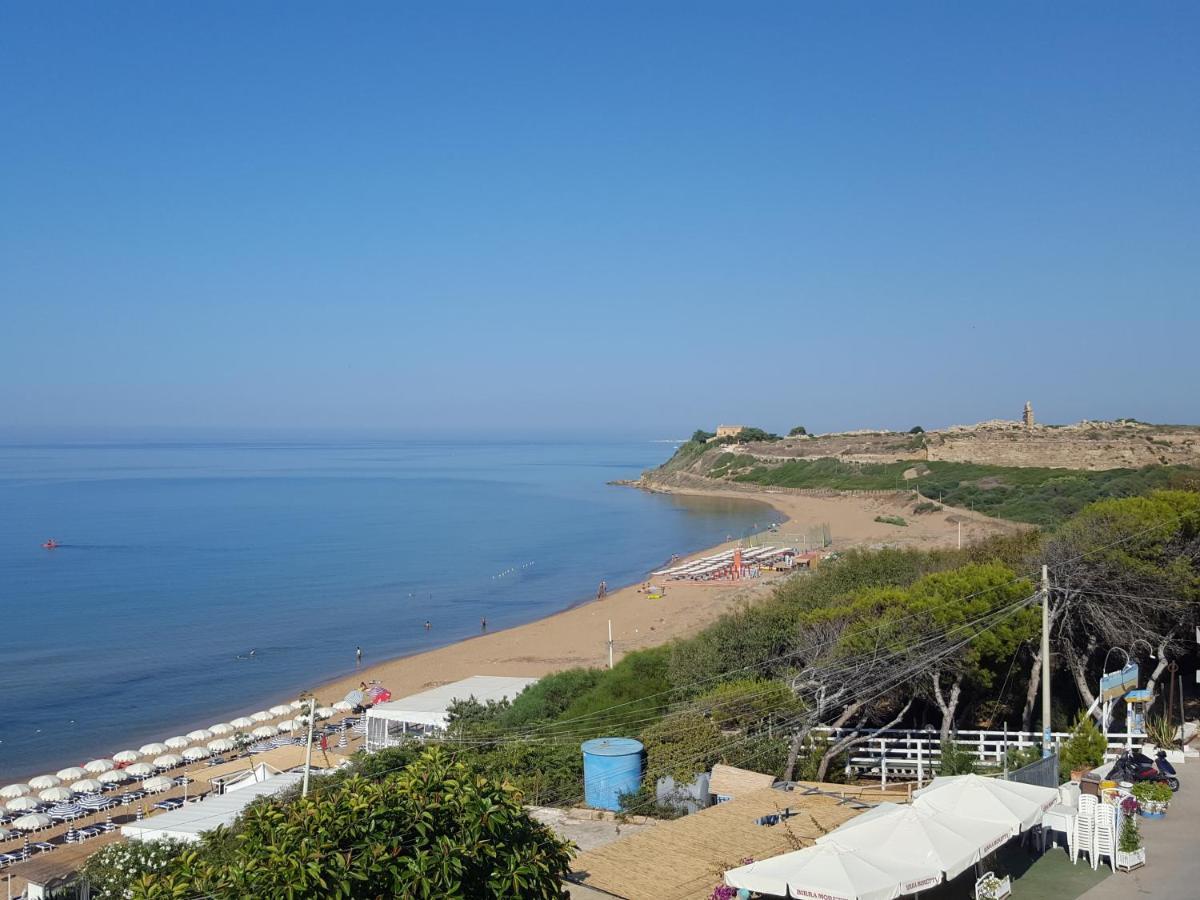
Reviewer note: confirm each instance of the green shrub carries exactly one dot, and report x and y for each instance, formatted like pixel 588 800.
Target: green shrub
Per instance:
pixel 927 506
pixel 1130 840
pixel 680 746
pixel 891 520
pixel 798 431
pixel 748 703
pixel 1084 749
pixel 956 760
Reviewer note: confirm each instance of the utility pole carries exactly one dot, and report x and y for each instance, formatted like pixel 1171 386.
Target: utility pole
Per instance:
pixel 610 644
pixel 312 707
pixel 1045 662
pixel 960 534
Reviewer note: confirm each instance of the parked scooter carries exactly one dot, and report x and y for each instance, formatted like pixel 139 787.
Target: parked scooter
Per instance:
pixel 1135 766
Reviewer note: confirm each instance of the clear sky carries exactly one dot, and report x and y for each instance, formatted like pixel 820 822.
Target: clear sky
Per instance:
pixel 642 217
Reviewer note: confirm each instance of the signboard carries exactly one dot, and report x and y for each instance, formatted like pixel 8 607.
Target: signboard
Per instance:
pixel 1114 685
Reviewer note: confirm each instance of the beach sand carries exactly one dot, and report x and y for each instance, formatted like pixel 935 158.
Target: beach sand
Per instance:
pixel 579 636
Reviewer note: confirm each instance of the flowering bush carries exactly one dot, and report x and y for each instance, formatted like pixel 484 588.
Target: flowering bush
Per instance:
pixel 724 891
pixel 112 871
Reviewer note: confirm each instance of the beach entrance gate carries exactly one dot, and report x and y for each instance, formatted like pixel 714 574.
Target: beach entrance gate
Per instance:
pixel 392 723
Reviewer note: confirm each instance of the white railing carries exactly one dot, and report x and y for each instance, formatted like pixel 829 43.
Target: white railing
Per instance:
pixel 916 753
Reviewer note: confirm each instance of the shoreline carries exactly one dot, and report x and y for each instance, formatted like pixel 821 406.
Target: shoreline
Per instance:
pixel 446 657
pixel 577 635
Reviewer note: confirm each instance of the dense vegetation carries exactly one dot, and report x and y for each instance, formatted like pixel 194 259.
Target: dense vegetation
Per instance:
pixel 434 829
pixel 1039 496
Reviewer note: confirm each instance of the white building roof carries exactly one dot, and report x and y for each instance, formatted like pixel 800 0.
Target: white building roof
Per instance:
pixel 187 823
pixel 429 707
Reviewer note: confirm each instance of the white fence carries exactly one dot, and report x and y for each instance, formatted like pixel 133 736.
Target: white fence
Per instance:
pixel 916 753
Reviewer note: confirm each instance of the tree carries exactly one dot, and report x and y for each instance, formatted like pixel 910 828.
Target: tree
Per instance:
pixel 798 431
pixel 436 829
pixel 1122 572
pixel 749 703
pixel 700 436
pixel 916 429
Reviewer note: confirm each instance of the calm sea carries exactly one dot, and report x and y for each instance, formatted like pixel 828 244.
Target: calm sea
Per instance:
pixel 177 558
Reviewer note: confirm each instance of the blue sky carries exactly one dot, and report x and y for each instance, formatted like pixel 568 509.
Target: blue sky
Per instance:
pixel 641 217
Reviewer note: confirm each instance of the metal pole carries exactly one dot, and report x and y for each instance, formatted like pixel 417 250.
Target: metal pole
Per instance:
pixel 1045 661
pixel 312 705
pixel 960 534
pixel 610 644
pixel 1171 691
pixel 1006 749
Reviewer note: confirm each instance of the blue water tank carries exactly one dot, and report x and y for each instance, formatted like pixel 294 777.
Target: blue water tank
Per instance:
pixel 611 767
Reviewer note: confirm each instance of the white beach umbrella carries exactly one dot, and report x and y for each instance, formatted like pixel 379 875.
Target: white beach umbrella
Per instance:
pixel 343 706
pixel 127 756
pixel 243 722
pixel 262 716
pixel 12 791
pixel 71 774
pixel 949 843
pixel 44 781
pixel 96 766
pixel 113 776
pixel 264 731
pixel 221 728
pixel 20 804
pixel 87 786
pixel 152 749
pixel 297 704
pixel 139 770
pixel 56 794
pixel 167 761
pixel 178 742
pixel 828 871
pixel 324 712
pixel 281 710
pixel 1014 806
pixel 32 822
pixel 191 754
pixel 287 725
pixel 200 735
pixel 221 745
pixel 5 834
pixel 157 784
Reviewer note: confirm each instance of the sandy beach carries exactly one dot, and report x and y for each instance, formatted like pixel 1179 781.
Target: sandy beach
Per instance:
pixel 578 636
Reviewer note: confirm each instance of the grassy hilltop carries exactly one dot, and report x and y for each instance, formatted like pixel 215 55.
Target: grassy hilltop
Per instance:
pixel 1041 495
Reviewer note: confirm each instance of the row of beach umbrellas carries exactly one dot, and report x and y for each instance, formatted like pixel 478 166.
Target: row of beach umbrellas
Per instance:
pixel 127 764
pixel 892 850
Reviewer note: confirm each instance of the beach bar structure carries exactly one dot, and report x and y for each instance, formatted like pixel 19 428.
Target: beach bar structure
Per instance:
pixel 736 563
pixel 193 819
pixel 427 713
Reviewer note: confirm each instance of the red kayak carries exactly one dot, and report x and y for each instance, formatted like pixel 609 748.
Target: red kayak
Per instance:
pixel 50 544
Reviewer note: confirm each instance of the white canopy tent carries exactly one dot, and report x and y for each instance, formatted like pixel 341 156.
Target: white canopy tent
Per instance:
pixel 190 821
pixel 948 843
pixel 390 723
pixel 1015 806
pixel 829 871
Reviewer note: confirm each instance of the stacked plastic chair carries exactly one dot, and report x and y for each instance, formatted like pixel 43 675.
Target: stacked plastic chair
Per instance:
pixel 1104 836
pixel 1085 829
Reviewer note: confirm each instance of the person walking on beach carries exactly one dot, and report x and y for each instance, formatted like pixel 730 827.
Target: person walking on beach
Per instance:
pixel 357 656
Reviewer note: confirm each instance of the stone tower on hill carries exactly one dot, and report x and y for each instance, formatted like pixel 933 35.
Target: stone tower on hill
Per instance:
pixel 1027 418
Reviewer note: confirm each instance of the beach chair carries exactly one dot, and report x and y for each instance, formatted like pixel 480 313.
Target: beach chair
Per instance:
pixel 43 846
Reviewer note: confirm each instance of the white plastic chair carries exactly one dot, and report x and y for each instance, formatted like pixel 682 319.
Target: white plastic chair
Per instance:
pixel 1084 830
pixel 1104 836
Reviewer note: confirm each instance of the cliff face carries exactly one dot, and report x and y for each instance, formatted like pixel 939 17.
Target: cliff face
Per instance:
pixel 1091 446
